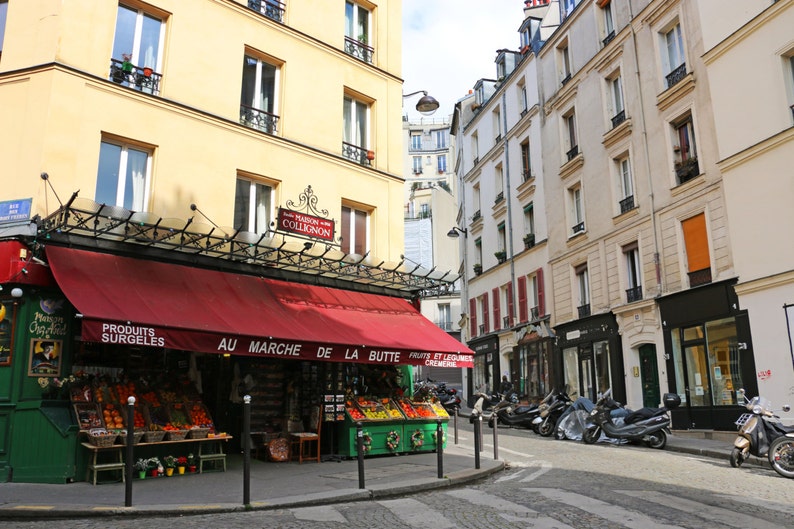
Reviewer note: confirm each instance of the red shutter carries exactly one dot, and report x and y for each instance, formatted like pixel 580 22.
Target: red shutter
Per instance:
pixel 497 309
pixel 473 317
pixel 510 314
pixel 485 310
pixel 541 293
pixel 522 299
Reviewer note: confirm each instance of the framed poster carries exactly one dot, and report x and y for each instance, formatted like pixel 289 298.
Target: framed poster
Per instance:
pixel 45 357
pixel 6 332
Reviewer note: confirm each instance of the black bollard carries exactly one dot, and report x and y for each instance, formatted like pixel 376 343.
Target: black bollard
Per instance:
pixel 360 450
pixel 440 447
pixel 455 426
pixel 495 437
pixel 482 444
pixel 129 453
pixel 247 450
pixel 477 427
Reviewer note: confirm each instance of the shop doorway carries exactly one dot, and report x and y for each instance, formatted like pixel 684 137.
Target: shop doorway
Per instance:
pixel 649 376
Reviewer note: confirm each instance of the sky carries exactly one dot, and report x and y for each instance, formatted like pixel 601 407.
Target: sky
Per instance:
pixel 450 44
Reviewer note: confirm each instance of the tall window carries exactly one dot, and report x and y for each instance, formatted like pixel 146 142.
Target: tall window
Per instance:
pixel 501 241
pixel 522 98
pixel 631 256
pixel 478 251
pixel 583 290
pixel 529 225
pixel 609 24
pixel 685 149
pixel 532 296
pixel 616 100
pixel 497 124
pixel 3 15
pixel 441 138
pixel 696 243
pixel 673 59
pixel 499 186
pixel 577 209
pixel 417 164
pixel 526 169
pixel 475 147
pixel 571 142
pixel 565 63
pixel 416 141
pixel 444 316
pixel 356 129
pixel 357 31
pixel 355 230
pixel 140 36
pixel 252 205
pixel 626 186
pixel 123 176
pixel 441 160
pixel 258 95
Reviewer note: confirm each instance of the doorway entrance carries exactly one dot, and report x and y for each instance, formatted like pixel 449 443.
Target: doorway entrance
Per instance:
pixel 649 376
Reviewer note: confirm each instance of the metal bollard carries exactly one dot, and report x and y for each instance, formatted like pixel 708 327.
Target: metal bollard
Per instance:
pixel 477 443
pixel 440 447
pixel 495 437
pixel 129 453
pixel 247 450
pixel 455 425
pixel 360 450
pixel 482 445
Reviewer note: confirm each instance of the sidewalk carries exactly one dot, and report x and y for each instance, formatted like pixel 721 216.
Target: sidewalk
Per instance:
pixel 284 485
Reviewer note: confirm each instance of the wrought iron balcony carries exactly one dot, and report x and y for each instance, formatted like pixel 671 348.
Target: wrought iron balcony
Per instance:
pixel 687 170
pixel 565 79
pixel 258 119
pixel 676 75
pixel 477 215
pixel 609 38
pixel 506 322
pixel 526 175
pixel 499 197
pixel 482 328
pixel 359 50
pixel 270 8
pixel 476 161
pixel 357 154
pixel 578 228
pixel 529 240
pixel 584 310
pixel 445 325
pixel 634 294
pixel 700 277
pixel 498 138
pixel 619 118
pixel 534 314
pixel 139 78
pixel 627 204
pixel 572 153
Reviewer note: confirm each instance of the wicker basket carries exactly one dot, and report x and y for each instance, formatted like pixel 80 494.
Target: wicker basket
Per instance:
pixel 198 433
pixel 175 435
pixel 102 440
pixel 136 437
pixel 153 436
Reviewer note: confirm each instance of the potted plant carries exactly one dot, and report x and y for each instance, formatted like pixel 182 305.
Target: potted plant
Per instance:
pixel 529 240
pixel 141 465
pixel 478 269
pixel 362 38
pixel 169 462
pixel 147 71
pixel 191 463
pixel 126 62
pixel 500 256
pixel 155 467
pixel 181 463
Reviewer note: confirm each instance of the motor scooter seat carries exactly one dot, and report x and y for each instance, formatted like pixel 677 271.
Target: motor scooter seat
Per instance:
pixel 642 414
pixel 519 410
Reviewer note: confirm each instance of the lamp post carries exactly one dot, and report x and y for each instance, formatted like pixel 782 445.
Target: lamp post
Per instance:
pixel 455 233
pixel 426 105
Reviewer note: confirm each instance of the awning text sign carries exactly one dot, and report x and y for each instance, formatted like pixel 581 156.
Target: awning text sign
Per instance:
pixel 140 335
pixel 308 225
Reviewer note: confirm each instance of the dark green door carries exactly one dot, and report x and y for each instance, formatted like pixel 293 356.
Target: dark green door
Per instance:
pixel 649 375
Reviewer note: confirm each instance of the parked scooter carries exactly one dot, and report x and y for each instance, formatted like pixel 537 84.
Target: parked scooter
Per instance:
pixel 509 413
pixel 757 430
pixel 550 413
pixel 649 425
pixel 781 455
pixel 489 400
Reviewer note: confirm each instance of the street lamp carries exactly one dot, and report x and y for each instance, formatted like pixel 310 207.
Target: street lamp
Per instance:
pixel 455 232
pixel 426 105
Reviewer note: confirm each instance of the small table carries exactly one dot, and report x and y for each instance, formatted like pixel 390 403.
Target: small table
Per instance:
pixel 115 463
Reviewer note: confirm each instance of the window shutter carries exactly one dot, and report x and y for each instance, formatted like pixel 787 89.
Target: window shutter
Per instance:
pixel 522 299
pixel 497 309
pixel 473 317
pixel 696 242
pixel 510 314
pixel 485 311
pixel 541 293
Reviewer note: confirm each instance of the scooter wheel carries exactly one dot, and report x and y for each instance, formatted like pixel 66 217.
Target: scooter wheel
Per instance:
pixel 546 428
pixel 737 457
pixel 781 456
pixel 591 435
pixel 657 440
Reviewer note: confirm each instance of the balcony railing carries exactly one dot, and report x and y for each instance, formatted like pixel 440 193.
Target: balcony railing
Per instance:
pixel 258 119
pixel 482 328
pixel 534 314
pixel 609 38
pixel 270 8
pixel 619 118
pixel 498 138
pixel 634 294
pixel 584 310
pixel 138 78
pixel 572 153
pixel 476 161
pixel 676 75
pixel 627 204
pixel 477 215
pixel 578 228
pixel 357 154
pixel 687 170
pixel 699 277
pixel 444 325
pixel 526 175
pixel 529 241
pixel 565 79
pixel 500 196
pixel 359 50
pixel 506 323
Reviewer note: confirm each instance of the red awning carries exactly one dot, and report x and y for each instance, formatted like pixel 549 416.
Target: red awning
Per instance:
pixel 148 303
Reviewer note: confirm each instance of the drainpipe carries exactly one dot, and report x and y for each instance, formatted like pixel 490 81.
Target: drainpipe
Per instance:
pixel 513 288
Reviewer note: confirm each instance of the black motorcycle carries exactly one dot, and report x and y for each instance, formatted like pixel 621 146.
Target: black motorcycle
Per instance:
pixel 550 412
pixel 509 413
pixel 757 430
pixel 649 425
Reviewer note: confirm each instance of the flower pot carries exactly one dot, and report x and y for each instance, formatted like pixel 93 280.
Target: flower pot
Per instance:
pixel 153 472
pixel 147 72
pixel 192 468
pixel 141 474
pixel 169 471
pixel 370 155
pixel 181 470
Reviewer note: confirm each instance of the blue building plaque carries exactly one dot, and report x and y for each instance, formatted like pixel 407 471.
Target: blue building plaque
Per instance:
pixel 12 211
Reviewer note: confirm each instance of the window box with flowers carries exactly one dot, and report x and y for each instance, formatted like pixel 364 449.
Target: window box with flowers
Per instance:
pixel 501 256
pixel 687 169
pixel 529 240
pixel 477 269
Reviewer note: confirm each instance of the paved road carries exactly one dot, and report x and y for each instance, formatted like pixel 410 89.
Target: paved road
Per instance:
pixel 548 484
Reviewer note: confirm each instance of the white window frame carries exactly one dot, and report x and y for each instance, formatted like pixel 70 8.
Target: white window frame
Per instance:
pixel 616 94
pixel 353 24
pixel 631 255
pixel 255 223
pixel 441 162
pixel 417 164
pixel 141 202
pixel 625 177
pixel 582 284
pixel 140 57
pixel 353 108
pixel 609 21
pixel 441 138
pixel 349 239
pixel 672 43
pixel 416 141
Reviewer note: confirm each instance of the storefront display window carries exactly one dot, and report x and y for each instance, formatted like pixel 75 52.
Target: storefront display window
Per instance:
pixel 602 366
pixel 571 366
pixel 534 358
